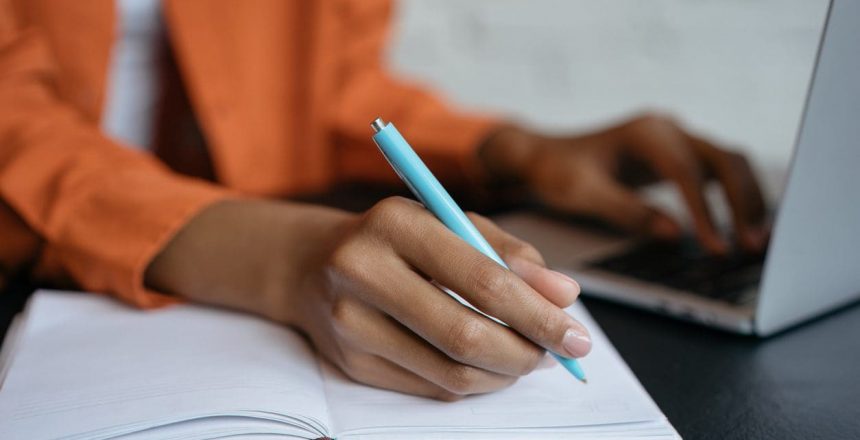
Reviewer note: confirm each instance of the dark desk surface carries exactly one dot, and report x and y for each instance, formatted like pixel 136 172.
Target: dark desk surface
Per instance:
pixel 802 384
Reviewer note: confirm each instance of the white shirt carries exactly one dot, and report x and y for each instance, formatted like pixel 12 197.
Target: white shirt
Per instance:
pixel 133 81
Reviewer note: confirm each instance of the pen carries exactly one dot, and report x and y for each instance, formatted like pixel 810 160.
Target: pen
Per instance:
pixel 435 198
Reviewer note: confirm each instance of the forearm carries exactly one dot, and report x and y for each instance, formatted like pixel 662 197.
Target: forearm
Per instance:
pixel 248 255
pixel 97 210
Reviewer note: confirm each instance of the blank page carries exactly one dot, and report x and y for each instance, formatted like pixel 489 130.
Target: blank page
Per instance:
pixel 90 366
pixel 549 399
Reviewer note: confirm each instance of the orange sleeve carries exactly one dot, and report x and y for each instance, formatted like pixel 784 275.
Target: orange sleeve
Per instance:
pixel 445 138
pixel 103 211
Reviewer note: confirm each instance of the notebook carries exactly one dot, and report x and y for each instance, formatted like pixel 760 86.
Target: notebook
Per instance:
pixel 83 366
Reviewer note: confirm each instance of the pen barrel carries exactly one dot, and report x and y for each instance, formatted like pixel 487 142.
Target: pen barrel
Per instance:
pixel 435 198
pixel 428 190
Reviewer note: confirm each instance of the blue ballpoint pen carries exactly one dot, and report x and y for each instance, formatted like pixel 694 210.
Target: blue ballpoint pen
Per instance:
pixel 430 192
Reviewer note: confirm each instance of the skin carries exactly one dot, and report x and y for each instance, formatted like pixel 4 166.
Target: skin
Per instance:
pixel 361 287
pixel 595 174
pixel 332 275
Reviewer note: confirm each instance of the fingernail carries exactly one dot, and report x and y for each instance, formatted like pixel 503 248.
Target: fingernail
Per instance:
pixel 573 284
pixel 546 362
pixel 577 343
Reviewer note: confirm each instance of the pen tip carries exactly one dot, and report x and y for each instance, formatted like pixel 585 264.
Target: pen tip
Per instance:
pixel 584 380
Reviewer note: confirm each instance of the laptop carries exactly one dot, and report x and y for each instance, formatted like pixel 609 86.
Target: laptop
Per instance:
pixel 812 263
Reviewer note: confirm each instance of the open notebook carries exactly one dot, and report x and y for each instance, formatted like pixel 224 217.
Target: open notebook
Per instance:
pixel 84 366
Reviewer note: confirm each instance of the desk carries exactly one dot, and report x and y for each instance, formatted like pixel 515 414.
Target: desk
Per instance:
pixel 802 384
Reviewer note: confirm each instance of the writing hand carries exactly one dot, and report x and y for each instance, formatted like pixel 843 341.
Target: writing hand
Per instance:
pixel 361 287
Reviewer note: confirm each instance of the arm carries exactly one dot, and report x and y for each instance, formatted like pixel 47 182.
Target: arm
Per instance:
pixel 101 210
pixel 104 212
pixel 597 173
pixel 587 174
pixel 359 287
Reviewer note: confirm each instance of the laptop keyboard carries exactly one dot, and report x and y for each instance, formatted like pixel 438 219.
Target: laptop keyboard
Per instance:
pixel 685 266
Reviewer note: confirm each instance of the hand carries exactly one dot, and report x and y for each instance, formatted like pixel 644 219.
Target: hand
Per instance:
pixel 360 288
pixel 594 174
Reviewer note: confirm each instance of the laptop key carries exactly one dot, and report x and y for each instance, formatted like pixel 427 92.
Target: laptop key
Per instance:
pixel 684 266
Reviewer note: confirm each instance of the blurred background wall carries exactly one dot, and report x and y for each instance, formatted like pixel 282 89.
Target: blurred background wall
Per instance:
pixel 735 70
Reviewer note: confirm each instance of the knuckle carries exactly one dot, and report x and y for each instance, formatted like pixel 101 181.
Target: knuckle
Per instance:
pixel 394 203
pixel 736 160
pixel 579 186
pixel 535 356
pixel 466 338
pixel 491 280
pixel 392 212
pixel 684 169
pixel 654 119
pixel 519 248
pixel 461 379
pixel 343 316
pixel 556 177
pixel 341 257
pixel 547 326
pixel 346 264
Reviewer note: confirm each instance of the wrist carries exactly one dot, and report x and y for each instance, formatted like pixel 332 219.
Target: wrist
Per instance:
pixel 247 255
pixel 311 232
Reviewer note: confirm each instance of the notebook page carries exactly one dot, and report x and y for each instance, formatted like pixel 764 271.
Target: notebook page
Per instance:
pixel 637 430
pixel 544 399
pixel 90 366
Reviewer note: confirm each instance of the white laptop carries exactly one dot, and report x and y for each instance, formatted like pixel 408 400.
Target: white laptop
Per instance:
pixel 812 264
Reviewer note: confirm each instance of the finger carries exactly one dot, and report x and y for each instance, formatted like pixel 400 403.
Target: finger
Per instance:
pixel 381 373
pixel 493 289
pixel 504 243
pixel 742 191
pixel 556 287
pixel 659 141
pixel 399 288
pixel 382 336
pixel 692 185
pixel 623 208
pixel 460 333
pixel 528 264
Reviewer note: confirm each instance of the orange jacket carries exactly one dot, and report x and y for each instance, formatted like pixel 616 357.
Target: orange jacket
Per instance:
pixel 283 89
